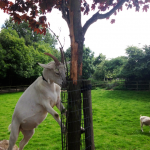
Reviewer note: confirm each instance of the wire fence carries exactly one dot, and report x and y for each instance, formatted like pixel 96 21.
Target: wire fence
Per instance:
pixel 78 120
pixel 122 85
pixel 11 89
pixel 118 85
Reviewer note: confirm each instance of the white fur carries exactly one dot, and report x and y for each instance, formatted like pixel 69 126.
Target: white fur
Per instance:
pixel 34 104
pixel 49 81
pixel 144 120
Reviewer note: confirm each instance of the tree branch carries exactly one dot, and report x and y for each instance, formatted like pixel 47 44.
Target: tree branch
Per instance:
pixel 65 12
pixel 56 37
pixel 97 16
pixel 63 58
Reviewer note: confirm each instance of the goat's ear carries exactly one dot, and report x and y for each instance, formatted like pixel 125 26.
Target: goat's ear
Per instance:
pixel 46 66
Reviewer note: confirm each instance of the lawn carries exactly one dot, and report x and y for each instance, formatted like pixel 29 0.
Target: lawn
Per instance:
pixel 115 119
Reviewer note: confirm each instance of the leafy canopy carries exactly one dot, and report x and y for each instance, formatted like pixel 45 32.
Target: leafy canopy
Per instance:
pixel 30 10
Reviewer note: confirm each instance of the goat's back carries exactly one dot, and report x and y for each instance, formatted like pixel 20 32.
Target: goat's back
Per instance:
pixel 145 120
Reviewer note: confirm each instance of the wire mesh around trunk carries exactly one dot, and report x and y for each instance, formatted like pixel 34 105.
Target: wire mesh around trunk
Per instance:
pixel 76 101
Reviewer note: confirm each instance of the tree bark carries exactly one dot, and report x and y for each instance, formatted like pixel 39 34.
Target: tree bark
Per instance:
pixel 74 92
pixel 74 116
pixel 76 37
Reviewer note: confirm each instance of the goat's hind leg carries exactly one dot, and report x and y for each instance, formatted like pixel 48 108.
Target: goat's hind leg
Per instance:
pixel 141 126
pixel 13 135
pixel 27 135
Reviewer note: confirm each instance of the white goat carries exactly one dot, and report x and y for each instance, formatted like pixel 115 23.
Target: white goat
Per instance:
pixel 38 100
pixel 144 120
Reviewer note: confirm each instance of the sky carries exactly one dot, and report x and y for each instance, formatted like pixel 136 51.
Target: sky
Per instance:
pixel 130 29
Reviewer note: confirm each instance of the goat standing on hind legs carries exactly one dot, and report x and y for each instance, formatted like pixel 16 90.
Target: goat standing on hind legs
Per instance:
pixel 144 120
pixel 38 100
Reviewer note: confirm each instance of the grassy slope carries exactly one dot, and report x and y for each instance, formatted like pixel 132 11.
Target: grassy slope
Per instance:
pixel 115 115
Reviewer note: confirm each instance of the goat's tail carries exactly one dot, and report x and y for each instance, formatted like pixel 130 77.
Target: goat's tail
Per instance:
pixel 9 128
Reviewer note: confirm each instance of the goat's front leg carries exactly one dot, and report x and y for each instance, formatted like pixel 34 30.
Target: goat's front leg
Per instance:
pixel 51 111
pixel 61 107
pixel 55 115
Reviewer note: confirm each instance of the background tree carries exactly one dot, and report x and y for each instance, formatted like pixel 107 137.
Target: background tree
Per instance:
pixel 137 67
pixel 99 59
pixel 115 66
pixel 16 55
pixel 99 73
pixel 88 60
pixel 18 59
pixel 110 68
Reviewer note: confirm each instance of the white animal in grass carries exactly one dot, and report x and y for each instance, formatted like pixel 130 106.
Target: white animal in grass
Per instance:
pixel 144 120
pixel 38 100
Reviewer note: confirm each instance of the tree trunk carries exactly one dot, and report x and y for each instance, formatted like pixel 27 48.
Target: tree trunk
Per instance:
pixel 74 116
pixel 76 37
pixel 74 93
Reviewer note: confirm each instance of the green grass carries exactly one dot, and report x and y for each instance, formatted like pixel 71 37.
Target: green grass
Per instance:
pixel 115 119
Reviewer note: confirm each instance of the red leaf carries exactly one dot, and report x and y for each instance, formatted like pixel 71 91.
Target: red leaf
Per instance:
pixel 141 2
pixel 42 19
pixel 120 8
pixel 44 31
pixel 87 9
pixel 112 21
pixel 82 9
pixel 24 17
pixel 145 7
pixel 93 6
pixel 37 30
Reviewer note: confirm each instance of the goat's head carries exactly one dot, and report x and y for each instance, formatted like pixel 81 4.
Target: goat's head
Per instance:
pixel 54 71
